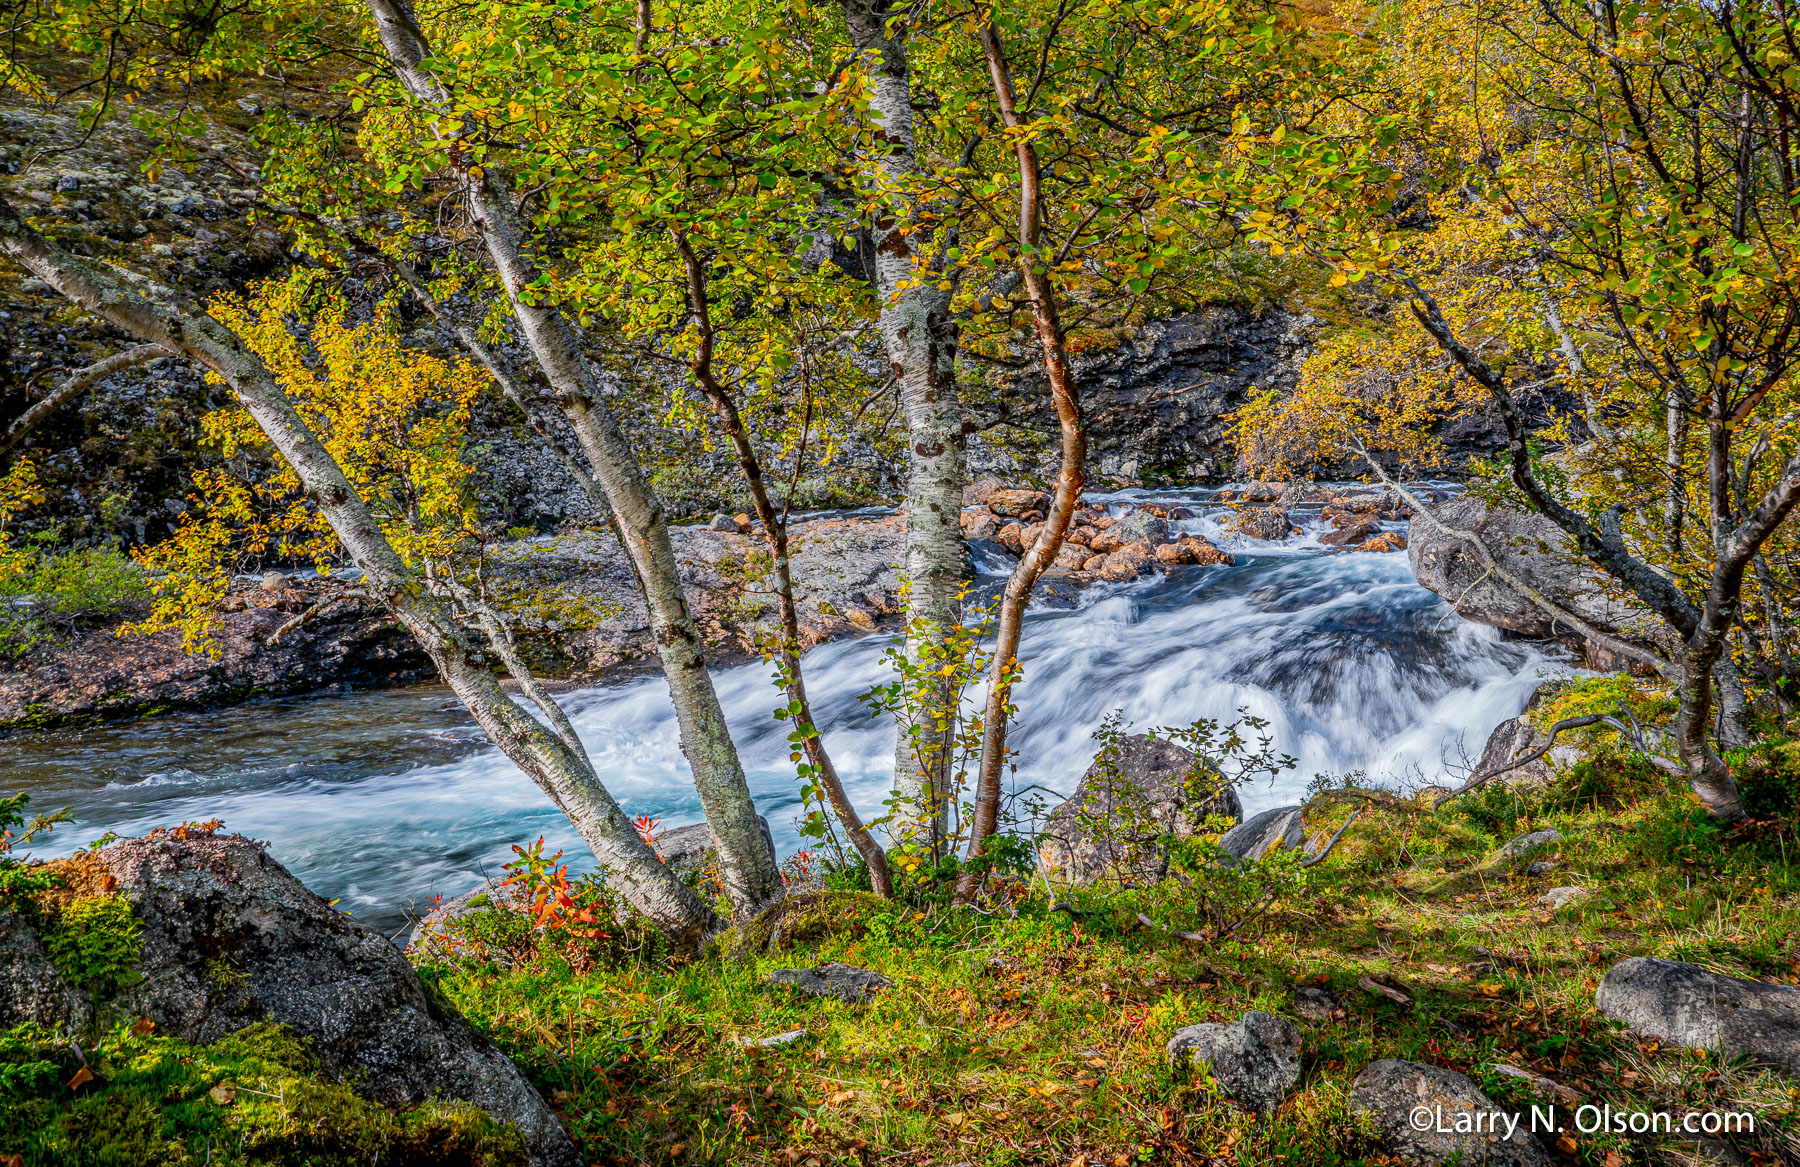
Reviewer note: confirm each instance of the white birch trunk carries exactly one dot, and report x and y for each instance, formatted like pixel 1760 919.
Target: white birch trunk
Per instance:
pixel 631 865
pixel 920 336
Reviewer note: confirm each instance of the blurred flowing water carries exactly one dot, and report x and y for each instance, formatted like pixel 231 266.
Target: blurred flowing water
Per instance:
pixel 385 799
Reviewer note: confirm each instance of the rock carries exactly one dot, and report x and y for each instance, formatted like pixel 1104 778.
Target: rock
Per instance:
pixel 1161 401
pixel 1255 1060
pixel 979 523
pixel 1071 556
pixel 1376 503
pixel 1315 1005
pixel 276 581
pixel 1517 736
pixel 1149 794
pixel 722 522
pixel 1253 492
pixel 742 522
pixel 1562 897
pixel 1686 1005
pixel 1015 504
pixel 1141 526
pixel 979 492
pixel 94 674
pixel 1383 543
pixel 773 1041
pixel 1357 532
pixel 1191 550
pixel 1533 549
pixel 1398 1095
pixel 1267 523
pixel 1012 537
pixel 230 939
pixel 842 981
pixel 1128 563
pixel 1542 867
pixel 1525 844
pixel 685 850
pixel 67 184
pixel 1255 837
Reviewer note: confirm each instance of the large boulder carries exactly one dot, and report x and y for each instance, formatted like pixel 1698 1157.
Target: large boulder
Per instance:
pixel 1685 1005
pixel 1459 1121
pixel 1145 789
pixel 230 939
pixel 1535 551
pixel 1255 1060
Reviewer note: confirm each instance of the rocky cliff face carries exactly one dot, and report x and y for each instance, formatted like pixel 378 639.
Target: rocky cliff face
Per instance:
pixel 1158 404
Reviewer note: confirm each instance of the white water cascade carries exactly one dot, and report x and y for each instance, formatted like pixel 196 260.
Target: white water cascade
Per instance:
pixel 385 799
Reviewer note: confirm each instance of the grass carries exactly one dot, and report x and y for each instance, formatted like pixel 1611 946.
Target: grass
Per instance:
pixel 1027 1036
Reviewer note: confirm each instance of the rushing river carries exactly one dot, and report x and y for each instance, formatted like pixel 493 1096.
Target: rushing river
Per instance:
pixel 385 799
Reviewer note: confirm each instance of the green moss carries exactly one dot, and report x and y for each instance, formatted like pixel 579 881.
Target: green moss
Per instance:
pixel 251 1098
pixel 95 942
pixel 805 920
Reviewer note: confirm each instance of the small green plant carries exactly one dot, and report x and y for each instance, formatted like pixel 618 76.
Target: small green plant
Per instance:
pixel 51 590
pixel 95 942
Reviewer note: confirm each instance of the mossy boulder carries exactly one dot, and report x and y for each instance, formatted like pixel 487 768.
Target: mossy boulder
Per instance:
pixel 804 919
pixel 197 937
pixel 253 1097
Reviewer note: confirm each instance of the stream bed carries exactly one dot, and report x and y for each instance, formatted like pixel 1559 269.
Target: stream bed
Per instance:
pixel 385 799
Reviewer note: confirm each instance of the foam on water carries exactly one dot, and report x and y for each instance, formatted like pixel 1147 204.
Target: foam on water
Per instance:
pixel 385 799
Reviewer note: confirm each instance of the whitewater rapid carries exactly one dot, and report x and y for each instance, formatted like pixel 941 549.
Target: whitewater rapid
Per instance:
pixel 385 799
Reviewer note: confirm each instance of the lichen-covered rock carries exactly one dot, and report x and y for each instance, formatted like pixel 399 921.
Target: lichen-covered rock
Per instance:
pixel 1686 1005
pixel 841 981
pixel 228 939
pixel 1148 788
pixel 1267 523
pixel 1315 1004
pixel 1535 550
pixel 1255 1060
pixel 1280 827
pixel 1526 844
pixel 1410 1102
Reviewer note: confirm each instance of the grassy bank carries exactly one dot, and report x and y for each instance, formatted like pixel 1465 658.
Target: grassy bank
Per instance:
pixel 1031 1030
pixel 1026 1035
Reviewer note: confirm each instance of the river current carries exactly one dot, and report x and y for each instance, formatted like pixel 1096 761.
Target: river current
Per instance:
pixel 384 799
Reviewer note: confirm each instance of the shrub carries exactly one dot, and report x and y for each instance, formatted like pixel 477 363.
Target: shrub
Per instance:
pixel 1768 778
pixel 47 591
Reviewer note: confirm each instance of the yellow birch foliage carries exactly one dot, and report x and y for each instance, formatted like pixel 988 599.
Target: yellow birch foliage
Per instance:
pixel 395 418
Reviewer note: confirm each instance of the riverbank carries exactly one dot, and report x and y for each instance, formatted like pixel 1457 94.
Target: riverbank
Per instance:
pixel 1491 948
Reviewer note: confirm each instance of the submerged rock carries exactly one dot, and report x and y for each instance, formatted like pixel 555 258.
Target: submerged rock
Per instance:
pixel 1459 1120
pixel 1143 791
pixel 1686 1005
pixel 230 939
pixel 1255 1060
